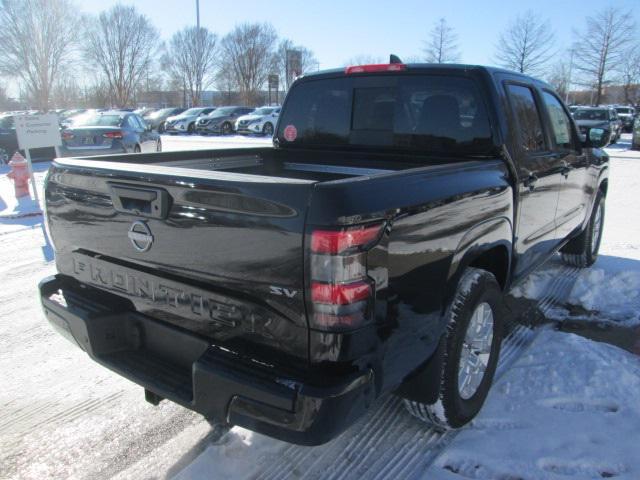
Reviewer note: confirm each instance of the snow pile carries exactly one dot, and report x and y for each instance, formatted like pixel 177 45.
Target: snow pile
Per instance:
pixel 570 408
pixel 536 284
pixel 615 295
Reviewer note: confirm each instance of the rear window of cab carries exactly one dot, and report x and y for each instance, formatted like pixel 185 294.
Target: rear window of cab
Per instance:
pixel 429 113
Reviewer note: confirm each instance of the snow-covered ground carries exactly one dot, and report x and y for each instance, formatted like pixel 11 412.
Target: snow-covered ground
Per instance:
pixel 568 407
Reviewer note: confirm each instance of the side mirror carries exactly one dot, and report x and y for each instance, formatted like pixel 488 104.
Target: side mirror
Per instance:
pixel 596 138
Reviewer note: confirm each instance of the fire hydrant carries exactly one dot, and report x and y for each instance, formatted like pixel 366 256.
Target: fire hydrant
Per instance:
pixel 20 174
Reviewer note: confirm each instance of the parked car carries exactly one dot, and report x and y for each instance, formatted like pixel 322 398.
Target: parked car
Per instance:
pixel 108 133
pixel 144 111
pixel 285 288
pixel 635 136
pixel 156 119
pixel 604 118
pixel 262 120
pixel 186 121
pixel 222 120
pixel 66 119
pixel 627 116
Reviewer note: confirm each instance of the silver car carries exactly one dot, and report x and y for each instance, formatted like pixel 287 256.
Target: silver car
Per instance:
pixel 262 120
pixel 186 121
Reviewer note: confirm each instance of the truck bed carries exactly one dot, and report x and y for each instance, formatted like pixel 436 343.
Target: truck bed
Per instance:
pixel 296 166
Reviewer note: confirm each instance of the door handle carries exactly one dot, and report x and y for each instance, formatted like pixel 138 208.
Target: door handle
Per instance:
pixel 530 181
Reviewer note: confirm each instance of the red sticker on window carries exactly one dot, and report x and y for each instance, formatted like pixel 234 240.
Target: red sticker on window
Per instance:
pixel 290 133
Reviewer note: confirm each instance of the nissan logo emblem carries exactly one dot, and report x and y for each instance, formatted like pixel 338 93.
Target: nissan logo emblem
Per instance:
pixel 140 236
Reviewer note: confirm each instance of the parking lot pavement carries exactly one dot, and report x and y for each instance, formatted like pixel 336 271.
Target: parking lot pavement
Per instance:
pixel 63 416
pixel 201 142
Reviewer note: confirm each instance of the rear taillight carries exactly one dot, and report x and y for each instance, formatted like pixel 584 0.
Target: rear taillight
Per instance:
pixel 341 292
pixel 112 135
pixel 378 67
pixel 67 136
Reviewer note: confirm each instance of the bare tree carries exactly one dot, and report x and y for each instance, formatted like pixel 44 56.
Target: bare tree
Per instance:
pixel 602 46
pixel 308 60
pixel 442 45
pixel 37 39
pixel 192 59
pixel 122 43
pixel 249 52
pixel 630 76
pixel 560 77
pixel 527 44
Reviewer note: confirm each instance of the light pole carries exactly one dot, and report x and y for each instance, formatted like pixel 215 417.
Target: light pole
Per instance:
pixel 198 14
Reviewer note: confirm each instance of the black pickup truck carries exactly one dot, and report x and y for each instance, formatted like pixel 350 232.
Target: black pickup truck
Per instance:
pixel 285 288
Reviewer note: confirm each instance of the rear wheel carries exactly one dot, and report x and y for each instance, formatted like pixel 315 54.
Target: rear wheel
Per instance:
pixel 226 128
pixel 137 149
pixel 267 129
pixel 191 128
pixel 583 250
pixel 473 338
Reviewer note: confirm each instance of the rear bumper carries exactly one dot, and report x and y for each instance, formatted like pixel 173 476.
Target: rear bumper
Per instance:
pixel 88 152
pixel 182 367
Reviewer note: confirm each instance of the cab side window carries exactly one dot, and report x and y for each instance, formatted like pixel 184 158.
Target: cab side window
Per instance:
pixel 531 134
pixel 560 122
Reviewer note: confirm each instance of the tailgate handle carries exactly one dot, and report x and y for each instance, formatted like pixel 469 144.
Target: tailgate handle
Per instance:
pixel 144 202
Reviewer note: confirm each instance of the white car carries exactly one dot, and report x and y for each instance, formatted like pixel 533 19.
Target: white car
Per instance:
pixel 186 121
pixel 262 120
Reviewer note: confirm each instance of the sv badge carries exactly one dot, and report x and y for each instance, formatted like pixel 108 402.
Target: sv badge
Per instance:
pixel 282 292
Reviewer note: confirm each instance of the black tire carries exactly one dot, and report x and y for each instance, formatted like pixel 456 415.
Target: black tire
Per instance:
pixel 475 289
pixel 267 129
pixel 137 149
pixel 191 128
pixel 226 128
pixel 583 250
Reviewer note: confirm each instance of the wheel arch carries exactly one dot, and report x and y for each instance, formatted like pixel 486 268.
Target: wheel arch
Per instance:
pixel 487 246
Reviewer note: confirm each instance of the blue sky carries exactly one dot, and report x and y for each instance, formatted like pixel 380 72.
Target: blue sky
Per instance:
pixel 338 30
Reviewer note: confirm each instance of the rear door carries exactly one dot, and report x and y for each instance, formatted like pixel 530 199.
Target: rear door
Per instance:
pixel 540 179
pixel 572 201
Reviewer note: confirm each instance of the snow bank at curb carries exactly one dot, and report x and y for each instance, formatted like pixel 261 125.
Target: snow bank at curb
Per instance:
pixel 608 291
pixel 568 409
pixel 614 295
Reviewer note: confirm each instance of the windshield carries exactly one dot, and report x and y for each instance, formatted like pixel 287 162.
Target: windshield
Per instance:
pixel 223 112
pixel 590 115
pixel 425 113
pixel 6 122
pixel 159 113
pixel 262 111
pixel 192 111
pixel 99 121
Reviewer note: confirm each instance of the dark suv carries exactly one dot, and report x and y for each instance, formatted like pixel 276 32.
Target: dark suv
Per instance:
pixel 605 118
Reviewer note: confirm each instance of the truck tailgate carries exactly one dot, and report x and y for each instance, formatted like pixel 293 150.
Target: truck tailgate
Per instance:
pixel 216 253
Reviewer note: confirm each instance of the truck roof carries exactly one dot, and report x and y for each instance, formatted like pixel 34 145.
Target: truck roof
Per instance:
pixel 431 68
